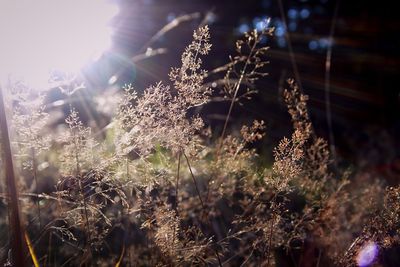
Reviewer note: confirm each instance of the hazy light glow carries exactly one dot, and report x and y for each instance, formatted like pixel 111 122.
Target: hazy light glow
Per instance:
pixel 367 254
pixel 39 36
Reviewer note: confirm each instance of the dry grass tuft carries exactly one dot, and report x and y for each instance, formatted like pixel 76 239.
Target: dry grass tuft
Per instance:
pixel 153 189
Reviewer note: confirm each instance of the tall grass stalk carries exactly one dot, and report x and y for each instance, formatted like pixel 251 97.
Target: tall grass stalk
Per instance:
pixel 18 246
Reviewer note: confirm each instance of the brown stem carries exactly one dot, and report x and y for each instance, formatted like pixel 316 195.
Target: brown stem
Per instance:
pixel 17 243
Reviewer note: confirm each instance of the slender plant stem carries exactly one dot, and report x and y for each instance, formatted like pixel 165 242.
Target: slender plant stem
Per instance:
pixel 177 180
pixel 49 251
pixel 85 211
pixel 34 173
pixel 237 87
pixel 247 259
pixel 218 258
pixel 292 257
pixel 17 244
pixel 78 175
pixel 270 238
pixel 127 167
pixel 194 181
pixel 319 257
pixel 271 229
pixel 201 201
pixel 290 48
pixel 176 193
pixel 327 84
pixel 301 254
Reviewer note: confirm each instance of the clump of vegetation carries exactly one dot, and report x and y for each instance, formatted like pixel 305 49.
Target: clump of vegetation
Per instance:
pixel 157 188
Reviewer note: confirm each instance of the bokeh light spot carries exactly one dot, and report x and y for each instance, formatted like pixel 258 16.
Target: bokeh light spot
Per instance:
pixel 292 13
pixel 313 45
pixel 367 254
pixel 305 13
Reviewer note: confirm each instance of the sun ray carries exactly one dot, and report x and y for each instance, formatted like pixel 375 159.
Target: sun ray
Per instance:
pixel 46 35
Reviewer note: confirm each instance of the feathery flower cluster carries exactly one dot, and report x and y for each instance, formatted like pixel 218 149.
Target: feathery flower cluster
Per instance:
pixel 160 116
pixel 29 119
pixel 78 146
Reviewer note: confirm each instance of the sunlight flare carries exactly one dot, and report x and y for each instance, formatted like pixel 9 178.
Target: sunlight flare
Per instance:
pixel 52 35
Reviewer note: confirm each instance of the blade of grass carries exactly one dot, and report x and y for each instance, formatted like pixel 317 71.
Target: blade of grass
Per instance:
pixel 31 251
pixel 118 264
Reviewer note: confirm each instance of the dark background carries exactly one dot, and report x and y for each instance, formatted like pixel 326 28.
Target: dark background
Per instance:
pixel 364 92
